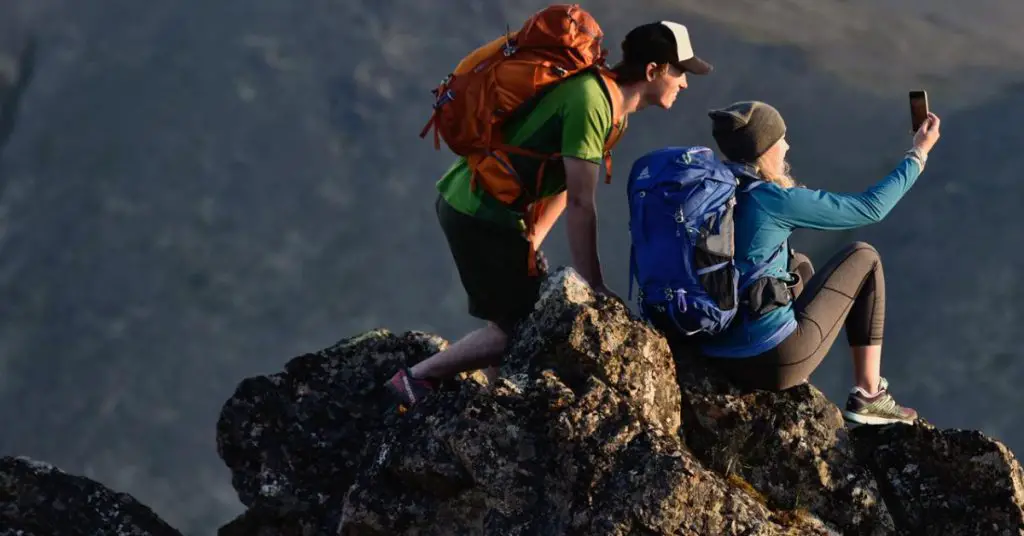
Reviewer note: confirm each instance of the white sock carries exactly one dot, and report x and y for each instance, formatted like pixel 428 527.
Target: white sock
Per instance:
pixel 865 394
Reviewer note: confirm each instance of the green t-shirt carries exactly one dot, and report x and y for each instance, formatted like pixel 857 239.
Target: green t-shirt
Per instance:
pixel 574 118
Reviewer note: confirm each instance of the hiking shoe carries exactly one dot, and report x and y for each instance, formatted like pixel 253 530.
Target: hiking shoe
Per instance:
pixel 878 409
pixel 408 390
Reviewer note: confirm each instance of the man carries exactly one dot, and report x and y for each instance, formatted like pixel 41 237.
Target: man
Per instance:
pixel 486 237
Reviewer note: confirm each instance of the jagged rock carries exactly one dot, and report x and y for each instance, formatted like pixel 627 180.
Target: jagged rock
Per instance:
pixel 580 335
pixel 294 440
pixel 945 481
pixel 792 446
pixel 537 457
pixel 37 499
pixel 581 434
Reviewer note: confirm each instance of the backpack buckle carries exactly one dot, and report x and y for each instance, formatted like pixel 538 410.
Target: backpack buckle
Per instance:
pixel 444 98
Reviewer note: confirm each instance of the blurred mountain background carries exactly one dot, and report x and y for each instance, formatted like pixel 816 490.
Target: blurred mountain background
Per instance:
pixel 193 192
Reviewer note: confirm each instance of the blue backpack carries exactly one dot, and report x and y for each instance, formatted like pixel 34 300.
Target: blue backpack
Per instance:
pixel 681 202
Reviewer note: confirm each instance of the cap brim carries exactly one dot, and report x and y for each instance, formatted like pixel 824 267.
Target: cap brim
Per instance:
pixel 695 65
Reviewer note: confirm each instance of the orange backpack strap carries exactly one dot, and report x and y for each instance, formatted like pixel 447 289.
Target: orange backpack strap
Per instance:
pixel 619 123
pixel 619 119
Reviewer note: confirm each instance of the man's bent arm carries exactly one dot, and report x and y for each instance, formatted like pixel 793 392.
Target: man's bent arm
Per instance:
pixel 581 179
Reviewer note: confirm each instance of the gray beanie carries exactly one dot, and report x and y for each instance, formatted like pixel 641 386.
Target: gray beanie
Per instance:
pixel 745 130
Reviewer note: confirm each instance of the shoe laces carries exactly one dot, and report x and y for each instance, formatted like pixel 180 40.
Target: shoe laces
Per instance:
pixel 887 403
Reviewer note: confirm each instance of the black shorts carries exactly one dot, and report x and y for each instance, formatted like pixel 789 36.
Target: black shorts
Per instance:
pixel 491 260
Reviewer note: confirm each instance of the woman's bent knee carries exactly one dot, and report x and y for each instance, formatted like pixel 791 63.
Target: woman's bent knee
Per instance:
pixel 862 247
pixel 862 250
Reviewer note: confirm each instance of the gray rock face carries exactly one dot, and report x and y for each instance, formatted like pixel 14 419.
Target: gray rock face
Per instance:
pixel 945 481
pixel 38 499
pixel 794 448
pixel 295 440
pixel 589 430
pixel 593 428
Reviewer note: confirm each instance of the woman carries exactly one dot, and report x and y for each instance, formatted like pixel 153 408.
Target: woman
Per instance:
pixel 778 344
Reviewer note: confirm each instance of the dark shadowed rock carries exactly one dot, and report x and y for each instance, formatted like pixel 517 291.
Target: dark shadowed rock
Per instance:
pixel 537 455
pixel 793 447
pixel 37 499
pixel 294 440
pixel 661 488
pixel 577 438
pixel 945 481
pixel 580 435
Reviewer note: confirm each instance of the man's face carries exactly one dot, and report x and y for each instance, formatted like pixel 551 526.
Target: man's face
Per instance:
pixel 663 89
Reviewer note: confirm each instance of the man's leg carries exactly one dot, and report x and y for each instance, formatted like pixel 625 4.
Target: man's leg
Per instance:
pixel 479 349
pixel 491 261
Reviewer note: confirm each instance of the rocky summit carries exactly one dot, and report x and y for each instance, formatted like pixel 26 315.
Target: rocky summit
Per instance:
pixel 592 428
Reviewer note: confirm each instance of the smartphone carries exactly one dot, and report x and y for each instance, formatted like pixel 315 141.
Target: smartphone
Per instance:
pixel 918 109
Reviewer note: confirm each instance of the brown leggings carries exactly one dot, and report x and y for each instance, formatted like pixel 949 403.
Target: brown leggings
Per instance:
pixel 849 290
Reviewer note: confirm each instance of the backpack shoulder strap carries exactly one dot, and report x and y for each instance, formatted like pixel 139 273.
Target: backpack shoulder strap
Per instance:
pixel 746 176
pixel 619 118
pixel 614 93
pixel 759 272
pixel 747 184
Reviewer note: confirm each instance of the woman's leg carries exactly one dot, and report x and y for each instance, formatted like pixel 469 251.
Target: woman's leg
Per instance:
pixel 850 291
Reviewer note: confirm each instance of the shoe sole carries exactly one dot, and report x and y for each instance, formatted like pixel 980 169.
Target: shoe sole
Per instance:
pixel 871 419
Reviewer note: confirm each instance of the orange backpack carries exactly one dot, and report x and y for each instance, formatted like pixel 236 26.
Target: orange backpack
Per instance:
pixel 494 81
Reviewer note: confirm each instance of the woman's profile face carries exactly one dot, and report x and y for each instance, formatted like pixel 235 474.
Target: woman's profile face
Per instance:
pixel 776 156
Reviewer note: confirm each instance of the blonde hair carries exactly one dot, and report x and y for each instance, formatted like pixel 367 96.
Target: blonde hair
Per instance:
pixel 779 177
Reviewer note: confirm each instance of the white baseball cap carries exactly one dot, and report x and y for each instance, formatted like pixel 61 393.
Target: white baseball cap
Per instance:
pixel 663 42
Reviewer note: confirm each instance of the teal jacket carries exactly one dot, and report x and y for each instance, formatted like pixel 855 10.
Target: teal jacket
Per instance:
pixel 765 217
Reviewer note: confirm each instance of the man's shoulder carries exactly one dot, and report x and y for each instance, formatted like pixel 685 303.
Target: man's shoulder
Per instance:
pixel 585 90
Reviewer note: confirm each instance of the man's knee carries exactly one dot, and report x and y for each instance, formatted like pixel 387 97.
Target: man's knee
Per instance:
pixel 498 330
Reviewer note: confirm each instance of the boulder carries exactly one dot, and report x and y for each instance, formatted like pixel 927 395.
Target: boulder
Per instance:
pixel 592 427
pixel 38 499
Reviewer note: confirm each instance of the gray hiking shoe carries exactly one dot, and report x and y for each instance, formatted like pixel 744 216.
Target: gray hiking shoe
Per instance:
pixel 878 409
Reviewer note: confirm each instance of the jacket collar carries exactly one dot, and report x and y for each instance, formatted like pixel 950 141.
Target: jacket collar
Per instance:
pixel 742 170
